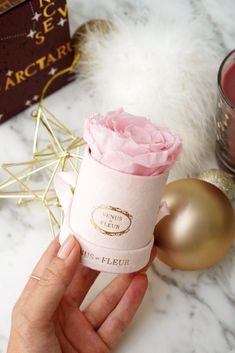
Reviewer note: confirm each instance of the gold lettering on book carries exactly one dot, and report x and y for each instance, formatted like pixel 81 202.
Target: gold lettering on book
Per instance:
pixel 47 11
pixel 49 19
pixel 52 18
pixel 34 68
pixel 48 25
pixel 64 11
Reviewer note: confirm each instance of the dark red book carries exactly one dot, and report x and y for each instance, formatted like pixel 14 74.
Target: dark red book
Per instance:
pixel 34 45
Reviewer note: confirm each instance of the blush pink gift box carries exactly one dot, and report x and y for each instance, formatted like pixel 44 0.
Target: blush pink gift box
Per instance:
pixel 112 214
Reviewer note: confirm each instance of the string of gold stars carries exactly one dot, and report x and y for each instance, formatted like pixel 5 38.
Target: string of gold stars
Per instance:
pixel 33 180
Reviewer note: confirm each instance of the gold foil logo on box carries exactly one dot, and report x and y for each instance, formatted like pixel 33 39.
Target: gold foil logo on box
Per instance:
pixel 111 221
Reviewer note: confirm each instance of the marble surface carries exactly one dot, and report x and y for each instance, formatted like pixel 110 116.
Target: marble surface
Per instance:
pixel 183 312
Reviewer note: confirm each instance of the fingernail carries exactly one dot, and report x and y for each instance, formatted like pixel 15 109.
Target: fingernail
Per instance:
pixel 66 247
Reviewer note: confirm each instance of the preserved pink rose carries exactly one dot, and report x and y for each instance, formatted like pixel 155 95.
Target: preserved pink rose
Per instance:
pixel 131 144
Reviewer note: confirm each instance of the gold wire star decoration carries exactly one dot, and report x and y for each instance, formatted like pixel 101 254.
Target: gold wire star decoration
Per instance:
pixel 33 180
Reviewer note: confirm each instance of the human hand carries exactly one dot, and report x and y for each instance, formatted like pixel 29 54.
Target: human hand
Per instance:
pixel 47 317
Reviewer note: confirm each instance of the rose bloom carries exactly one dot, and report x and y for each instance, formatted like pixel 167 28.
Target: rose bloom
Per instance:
pixel 131 144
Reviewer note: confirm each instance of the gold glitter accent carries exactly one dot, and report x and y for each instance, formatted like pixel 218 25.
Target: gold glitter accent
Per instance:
pixel 221 179
pixel 225 123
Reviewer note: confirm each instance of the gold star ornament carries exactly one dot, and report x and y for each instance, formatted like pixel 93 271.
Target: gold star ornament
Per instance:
pixel 55 149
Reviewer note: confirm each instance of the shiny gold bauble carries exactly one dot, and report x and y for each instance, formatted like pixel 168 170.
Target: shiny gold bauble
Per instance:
pixel 223 180
pixel 96 25
pixel 200 228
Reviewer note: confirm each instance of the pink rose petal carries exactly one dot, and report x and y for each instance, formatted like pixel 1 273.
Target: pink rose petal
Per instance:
pixel 131 144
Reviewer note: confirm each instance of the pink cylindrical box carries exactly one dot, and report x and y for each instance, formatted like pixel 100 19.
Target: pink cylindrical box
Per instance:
pixel 113 215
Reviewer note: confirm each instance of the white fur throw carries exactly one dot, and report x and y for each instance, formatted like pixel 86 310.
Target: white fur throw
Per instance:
pixel 165 70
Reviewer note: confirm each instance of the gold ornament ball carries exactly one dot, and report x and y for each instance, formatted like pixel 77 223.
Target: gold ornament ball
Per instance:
pixel 223 180
pixel 200 228
pixel 96 25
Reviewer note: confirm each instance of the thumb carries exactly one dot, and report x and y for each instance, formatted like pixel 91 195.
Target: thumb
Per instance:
pixel 46 296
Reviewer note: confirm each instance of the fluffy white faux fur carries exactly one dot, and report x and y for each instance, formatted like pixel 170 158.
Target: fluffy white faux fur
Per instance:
pixel 162 69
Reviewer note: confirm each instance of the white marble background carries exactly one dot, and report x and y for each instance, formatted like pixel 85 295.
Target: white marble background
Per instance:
pixel 182 312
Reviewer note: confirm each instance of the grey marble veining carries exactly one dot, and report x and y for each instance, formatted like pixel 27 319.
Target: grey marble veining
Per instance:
pixel 183 312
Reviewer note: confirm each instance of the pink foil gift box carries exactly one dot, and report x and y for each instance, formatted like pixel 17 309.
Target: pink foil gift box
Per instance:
pixel 112 214
pixel 116 203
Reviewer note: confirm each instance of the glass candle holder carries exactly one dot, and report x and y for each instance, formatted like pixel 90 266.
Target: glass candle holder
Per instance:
pixel 225 118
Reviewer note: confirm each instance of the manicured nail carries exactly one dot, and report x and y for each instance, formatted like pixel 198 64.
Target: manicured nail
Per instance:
pixel 66 247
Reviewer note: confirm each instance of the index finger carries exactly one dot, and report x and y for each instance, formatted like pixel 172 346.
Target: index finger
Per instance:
pixel 80 285
pixel 117 321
